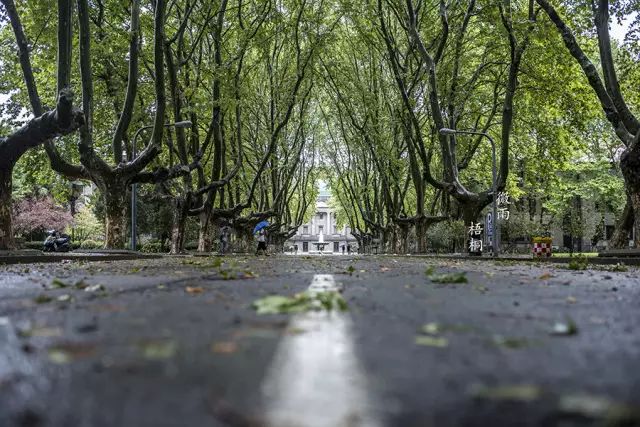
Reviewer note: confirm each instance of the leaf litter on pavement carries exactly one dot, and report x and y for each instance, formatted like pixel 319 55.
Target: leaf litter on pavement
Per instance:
pixel 68 352
pixel 586 407
pixel 301 302
pixel 460 277
pixel 568 327
pixel 514 393
pixel 158 350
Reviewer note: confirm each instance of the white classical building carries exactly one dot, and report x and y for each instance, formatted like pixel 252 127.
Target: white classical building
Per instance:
pixel 321 234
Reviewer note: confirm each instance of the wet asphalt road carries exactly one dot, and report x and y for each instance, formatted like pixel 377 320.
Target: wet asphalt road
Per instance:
pixel 175 342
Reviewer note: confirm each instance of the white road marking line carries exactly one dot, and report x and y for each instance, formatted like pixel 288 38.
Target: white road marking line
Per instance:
pixel 316 379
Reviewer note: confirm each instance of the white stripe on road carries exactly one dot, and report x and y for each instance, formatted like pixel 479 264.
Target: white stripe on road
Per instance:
pixel 316 379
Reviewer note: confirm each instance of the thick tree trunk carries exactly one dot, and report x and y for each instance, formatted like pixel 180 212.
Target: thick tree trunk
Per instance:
pixel 635 202
pixel 204 233
pixel 6 229
pixel 278 243
pixel 630 166
pixel 421 235
pixel 620 238
pixel 116 214
pixel 404 239
pixel 180 213
pixel 244 239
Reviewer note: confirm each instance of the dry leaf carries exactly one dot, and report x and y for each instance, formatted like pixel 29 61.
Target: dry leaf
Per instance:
pixel 159 349
pixel 431 341
pixel 194 289
pixel 514 393
pixel 66 353
pixel 224 347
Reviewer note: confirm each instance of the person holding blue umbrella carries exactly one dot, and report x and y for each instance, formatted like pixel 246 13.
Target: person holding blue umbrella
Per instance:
pixel 261 232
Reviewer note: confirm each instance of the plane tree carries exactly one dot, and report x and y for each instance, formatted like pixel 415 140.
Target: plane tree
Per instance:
pixel 606 85
pixel 46 126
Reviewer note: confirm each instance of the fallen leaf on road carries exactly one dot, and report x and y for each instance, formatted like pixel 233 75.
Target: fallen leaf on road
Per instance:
pixel 431 341
pixel 434 328
pixel 81 284
pixel 42 299
pixel 194 289
pixel 571 300
pixel 58 283
pixel 64 298
pixel 593 407
pixel 564 328
pixel 66 353
pixel 304 301
pixel 224 347
pixel 510 342
pixel 45 332
pixel 94 288
pixel 157 350
pixel 514 393
pixel 449 278
pixel 384 269
pixel 545 276
pixel 431 328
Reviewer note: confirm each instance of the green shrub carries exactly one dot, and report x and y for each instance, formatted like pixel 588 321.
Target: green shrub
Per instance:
pixel 443 236
pixel 579 262
pixel 191 246
pixel 33 245
pixel 91 244
pixel 151 247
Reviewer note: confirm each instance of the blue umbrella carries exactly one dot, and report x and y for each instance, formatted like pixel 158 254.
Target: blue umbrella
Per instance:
pixel 260 226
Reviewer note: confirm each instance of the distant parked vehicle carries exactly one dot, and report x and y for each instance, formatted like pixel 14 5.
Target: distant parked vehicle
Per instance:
pixel 56 242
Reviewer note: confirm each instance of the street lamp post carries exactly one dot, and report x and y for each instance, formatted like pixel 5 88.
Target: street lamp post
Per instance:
pixel 134 186
pixel 494 220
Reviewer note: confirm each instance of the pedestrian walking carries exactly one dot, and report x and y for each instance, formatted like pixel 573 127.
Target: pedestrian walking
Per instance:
pixel 262 241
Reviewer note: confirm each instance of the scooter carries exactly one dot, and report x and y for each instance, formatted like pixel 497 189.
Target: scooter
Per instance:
pixel 56 242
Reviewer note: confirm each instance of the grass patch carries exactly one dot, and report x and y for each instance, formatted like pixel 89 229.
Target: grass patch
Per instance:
pixel 578 263
pixel 575 254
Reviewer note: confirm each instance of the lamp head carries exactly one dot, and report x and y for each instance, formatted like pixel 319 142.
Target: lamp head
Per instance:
pixel 446 131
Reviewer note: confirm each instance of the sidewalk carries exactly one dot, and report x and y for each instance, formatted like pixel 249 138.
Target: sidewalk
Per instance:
pixel 599 260
pixel 28 256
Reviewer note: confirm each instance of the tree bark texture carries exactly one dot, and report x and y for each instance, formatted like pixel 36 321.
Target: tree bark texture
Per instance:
pixel 204 233
pixel 6 229
pixel 630 165
pixel 180 214
pixel 115 202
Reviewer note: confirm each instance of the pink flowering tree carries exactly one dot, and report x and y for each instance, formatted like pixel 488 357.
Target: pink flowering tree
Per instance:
pixel 35 215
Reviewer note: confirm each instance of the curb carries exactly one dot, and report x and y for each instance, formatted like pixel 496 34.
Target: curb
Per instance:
pixel 551 260
pixel 72 256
